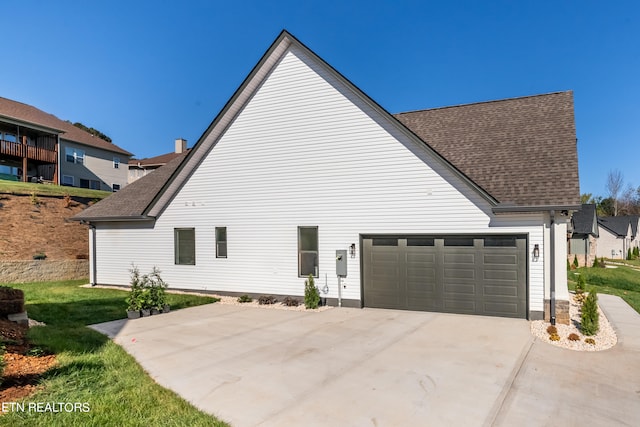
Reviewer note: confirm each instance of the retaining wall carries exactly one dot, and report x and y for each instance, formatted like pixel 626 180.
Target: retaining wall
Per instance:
pixel 43 270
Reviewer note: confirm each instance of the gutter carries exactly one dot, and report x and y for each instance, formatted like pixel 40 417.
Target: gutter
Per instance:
pixel 137 218
pixel 552 267
pixel 94 264
pixel 500 208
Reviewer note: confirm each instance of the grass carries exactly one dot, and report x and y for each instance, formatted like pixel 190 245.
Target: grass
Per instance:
pixel 13 187
pixel 91 369
pixel 622 281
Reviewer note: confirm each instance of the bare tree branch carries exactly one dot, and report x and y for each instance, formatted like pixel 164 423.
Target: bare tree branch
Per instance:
pixel 614 186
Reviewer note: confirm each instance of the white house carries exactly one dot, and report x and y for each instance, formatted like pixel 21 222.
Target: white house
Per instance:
pixel 461 209
pixel 616 236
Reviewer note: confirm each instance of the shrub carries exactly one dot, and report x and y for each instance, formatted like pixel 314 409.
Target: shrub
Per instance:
pixel 580 284
pixel 575 261
pixel 573 337
pixel 551 330
pixel 67 200
pixel 595 262
pixel 34 199
pixel 636 252
pixel 554 337
pixel 568 265
pixel 590 341
pixel 290 302
pixel 244 298
pixel 40 256
pixel 267 300
pixel 629 258
pixel 589 318
pixel 147 291
pixel 311 294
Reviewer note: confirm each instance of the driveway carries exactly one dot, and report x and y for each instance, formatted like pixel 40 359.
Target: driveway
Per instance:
pixel 371 367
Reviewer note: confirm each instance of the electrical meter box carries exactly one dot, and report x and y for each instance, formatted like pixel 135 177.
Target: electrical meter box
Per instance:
pixel 341 263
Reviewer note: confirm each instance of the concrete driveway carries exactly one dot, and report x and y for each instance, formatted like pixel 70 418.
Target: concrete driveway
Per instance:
pixel 370 367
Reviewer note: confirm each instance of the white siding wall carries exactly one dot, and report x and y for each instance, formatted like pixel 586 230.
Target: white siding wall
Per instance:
pixel 304 152
pixel 608 242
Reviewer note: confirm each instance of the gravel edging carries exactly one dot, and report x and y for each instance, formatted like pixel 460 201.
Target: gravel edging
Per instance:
pixel 605 338
pixel 278 306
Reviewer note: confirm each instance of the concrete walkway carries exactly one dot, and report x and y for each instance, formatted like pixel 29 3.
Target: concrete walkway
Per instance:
pixel 353 367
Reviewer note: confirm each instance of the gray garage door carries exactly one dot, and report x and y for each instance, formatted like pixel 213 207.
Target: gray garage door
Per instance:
pixel 483 275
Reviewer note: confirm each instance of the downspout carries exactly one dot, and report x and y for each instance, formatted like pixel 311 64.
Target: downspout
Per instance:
pixel 552 267
pixel 94 264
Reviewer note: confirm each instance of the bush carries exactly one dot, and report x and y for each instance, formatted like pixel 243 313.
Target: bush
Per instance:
pixel 290 302
pixel 636 252
pixel 552 330
pixel 244 298
pixel 589 319
pixel 267 300
pixel 629 258
pixel 595 262
pixel 554 337
pixel 574 337
pixel 590 341
pixel 40 256
pixel 311 294
pixel 580 284
pixel 575 261
pixel 147 291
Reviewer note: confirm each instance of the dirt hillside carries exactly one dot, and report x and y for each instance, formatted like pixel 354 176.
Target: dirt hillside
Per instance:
pixel 29 226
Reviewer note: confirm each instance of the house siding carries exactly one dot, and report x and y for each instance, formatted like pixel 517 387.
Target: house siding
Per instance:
pixel 610 245
pixel 97 165
pixel 306 151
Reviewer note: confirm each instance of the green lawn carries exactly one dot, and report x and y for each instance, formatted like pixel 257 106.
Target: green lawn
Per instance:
pixel 13 187
pixel 91 369
pixel 622 281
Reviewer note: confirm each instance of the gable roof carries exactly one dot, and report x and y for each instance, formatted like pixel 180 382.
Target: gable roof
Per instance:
pixel 520 150
pixel 585 221
pixel 26 115
pixel 618 225
pixel 157 160
pixel 417 124
pixel 132 201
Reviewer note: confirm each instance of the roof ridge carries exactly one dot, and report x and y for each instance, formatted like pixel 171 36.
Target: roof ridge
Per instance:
pixel 483 102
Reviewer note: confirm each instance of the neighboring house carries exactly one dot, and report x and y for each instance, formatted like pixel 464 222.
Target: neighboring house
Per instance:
pixel 635 226
pixel 36 144
pixel 583 242
pixel 461 209
pixel 615 236
pixel 141 167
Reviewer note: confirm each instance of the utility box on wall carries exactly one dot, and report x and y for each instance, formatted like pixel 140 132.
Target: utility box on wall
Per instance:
pixel 341 263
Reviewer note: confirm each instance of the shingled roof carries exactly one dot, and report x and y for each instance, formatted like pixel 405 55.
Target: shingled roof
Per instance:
pixel 28 114
pixel 157 160
pixel 585 221
pixel 619 225
pixel 522 151
pixel 133 200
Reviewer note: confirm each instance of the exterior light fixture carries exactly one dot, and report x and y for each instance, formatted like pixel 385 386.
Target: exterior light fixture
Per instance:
pixel 536 252
pixel 352 250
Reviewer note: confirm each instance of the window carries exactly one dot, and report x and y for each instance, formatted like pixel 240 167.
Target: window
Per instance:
pixel 185 245
pixel 384 241
pixel 9 137
pixel 427 241
pixel 307 251
pixel 74 155
pixel 115 187
pixel 67 180
pixel 497 242
pixel 89 183
pixel 116 162
pixel 221 242
pixel 458 241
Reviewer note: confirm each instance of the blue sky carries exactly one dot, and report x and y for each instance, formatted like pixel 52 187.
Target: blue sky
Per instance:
pixel 147 72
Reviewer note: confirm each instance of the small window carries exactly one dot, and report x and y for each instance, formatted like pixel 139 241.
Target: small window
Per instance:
pixel 308 251
pixel 73 155
pixel 221 242
pixel 94 185
pixel 185 246
pixel 499 242
pixel 9 137
pixel 116 162
pixel 458 241
pixel 115 187
pixel 421 242
pixel 384 241
pixel 67 180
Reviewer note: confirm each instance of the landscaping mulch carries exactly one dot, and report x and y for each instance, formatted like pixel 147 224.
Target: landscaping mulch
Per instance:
pixel 22 371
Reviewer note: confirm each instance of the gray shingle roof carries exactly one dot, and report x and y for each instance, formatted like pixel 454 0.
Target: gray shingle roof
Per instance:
pixel 29 114
pixel 522 151
pixel 619 225
pixel 134 199
pixel 585 220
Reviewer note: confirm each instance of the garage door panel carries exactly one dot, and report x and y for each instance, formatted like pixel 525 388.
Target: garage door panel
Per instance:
pixel 468 274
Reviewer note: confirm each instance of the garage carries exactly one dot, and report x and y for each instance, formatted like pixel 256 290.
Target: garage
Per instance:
pixel 472 274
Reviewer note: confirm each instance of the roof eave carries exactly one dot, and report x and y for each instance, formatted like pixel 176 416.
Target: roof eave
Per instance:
pixel 500 208
pixel 137 218
pixel 30 125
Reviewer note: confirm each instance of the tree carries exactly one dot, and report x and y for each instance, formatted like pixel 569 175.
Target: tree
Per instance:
pixel 586 198
pixel 604 206
pixel 92 131
pixel 614 186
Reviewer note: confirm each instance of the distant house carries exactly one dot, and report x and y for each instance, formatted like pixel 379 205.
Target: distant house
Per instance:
pixel 460 209
pixel 616 236
pixel 584 236
pixel 37 145
pixel 140 167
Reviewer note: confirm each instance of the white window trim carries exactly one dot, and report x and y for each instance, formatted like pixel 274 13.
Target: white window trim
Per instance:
pixel 73 183
pixel 116 162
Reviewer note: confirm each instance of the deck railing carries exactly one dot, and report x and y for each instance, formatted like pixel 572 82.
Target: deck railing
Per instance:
pixel 33 153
